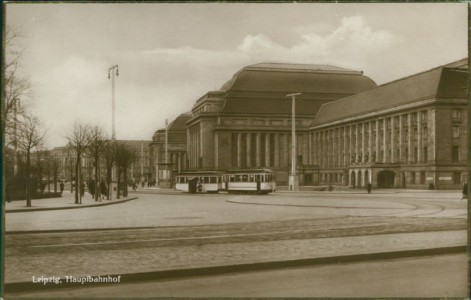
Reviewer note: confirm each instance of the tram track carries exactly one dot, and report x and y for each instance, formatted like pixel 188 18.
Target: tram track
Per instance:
pixel 200 236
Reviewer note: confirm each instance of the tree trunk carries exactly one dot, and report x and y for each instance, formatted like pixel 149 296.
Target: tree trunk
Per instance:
pixel 28 193
pixel 77 194
pixel 97 178
pixel 108 178
pixel 55 179
pixel 125 191
pixel 48 180
pixel 119 180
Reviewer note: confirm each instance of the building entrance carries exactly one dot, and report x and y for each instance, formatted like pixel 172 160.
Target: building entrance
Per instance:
pixel 386 179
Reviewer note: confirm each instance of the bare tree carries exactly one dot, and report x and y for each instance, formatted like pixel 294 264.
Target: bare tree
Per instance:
pixel 125 156
pixel 30 137
pixel 79 141
pixel 98 141
pixel 14 87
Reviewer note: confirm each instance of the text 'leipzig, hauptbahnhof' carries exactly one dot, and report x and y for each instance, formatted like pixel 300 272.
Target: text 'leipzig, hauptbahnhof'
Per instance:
pixel 408 133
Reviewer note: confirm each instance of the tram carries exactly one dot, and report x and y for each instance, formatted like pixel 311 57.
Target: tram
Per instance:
pixel 198 181
pixel 260 181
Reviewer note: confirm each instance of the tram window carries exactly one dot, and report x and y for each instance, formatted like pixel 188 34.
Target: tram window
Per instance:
pixel 244 177
pixel 237 178
pixel 251 178
pixel 212 179
pixel 257 178
pixel 268 178
pixel 232 178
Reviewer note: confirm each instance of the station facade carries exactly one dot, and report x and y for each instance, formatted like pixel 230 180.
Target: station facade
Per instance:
pixel 409 133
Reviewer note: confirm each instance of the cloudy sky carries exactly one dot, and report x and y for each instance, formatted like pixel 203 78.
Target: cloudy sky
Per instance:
pixel 169 55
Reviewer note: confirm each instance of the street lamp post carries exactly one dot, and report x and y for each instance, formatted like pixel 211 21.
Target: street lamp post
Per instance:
pixel 111 74
pixel 293 177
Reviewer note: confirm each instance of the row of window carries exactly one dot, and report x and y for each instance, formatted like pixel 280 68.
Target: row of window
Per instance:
pixel 248 178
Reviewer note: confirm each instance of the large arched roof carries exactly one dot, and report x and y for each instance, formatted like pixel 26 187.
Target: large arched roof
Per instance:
pixel 262 88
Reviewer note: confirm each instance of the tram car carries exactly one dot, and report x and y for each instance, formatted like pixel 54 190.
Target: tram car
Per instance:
pixel 198 182
pixel 256 181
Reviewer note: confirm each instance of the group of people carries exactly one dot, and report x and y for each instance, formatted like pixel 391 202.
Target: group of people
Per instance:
pixel 92 189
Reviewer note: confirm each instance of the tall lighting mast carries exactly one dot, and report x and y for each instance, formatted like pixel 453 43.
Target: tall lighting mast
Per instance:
pixel 293 177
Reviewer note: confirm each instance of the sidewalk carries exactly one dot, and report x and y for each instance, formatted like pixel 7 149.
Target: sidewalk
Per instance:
pixel 67 201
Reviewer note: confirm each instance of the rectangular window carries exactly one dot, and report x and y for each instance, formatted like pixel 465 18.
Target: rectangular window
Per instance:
pixel 456 114
pixel 456 132
pixel 425 154
pixel 455 153
pixel 456 178
pixel 416 155
pixel 412 177
pixel 422 177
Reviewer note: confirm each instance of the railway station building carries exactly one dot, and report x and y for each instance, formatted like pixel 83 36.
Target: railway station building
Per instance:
pixel 411 132
pixel 247 123
pixel 408 133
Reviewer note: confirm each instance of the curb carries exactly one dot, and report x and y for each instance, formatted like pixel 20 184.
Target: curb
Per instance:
pixel 67 207
pixel 218 270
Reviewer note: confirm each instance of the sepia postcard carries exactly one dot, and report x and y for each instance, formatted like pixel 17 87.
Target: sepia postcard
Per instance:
pixel 235 150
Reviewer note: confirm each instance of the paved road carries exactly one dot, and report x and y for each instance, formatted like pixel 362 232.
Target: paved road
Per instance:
pixel 426 277
pixel 162 232
pixel 152 210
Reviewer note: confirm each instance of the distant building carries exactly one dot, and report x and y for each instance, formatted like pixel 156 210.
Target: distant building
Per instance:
pixel 141 170
pixel 176 147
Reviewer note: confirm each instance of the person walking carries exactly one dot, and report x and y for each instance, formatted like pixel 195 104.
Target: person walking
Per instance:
pixel 103 189
pixel 91 188
pixel 368 187
pixel 61 186
pixel 82 189
pixel 465 192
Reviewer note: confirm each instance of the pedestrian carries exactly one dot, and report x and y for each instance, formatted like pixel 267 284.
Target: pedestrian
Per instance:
pixel 103 189
pixel 465 192
pixel 368 187
pixel 91 188
pixel 82 189
pixel 61 186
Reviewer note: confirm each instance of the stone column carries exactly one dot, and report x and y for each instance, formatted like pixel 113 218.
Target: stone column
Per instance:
pixel 267 150
pixel 239 150
pixel 285 150
pixel 370 142
pixel 393 145
pixel 401 137
pixel 257 149
pixel 377 140
pixel 352 146
pixel 419 136
pixel 409 138
pixel 385 143
pixel 277 150
pixel 357 142
pixel 345 147
pixel 364 148
pixel 249 149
